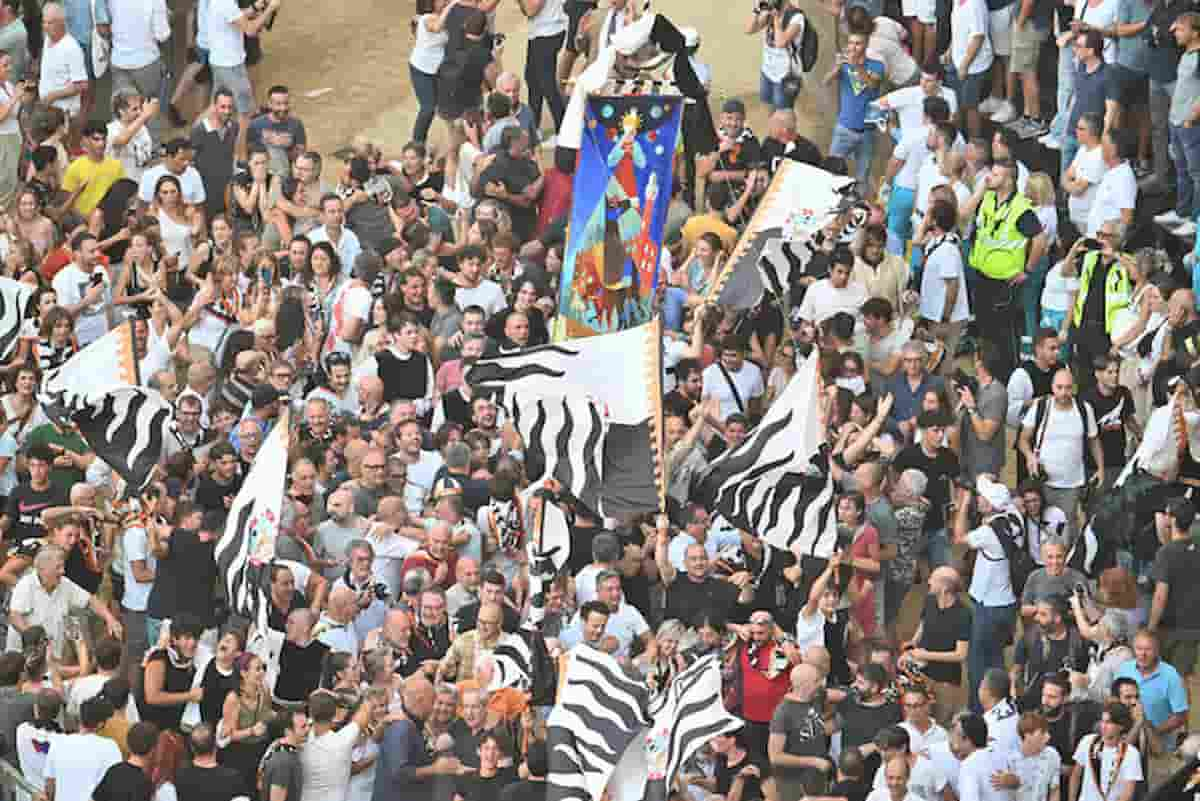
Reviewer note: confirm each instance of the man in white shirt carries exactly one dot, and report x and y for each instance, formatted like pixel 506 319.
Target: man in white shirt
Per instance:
pixel 999 713
pixel 834 294
pixel 78 762
pixel 138 28
pixel 1054 438
pixel 472 289
pixel 943 297
pixel 63 77
pixel 1083 176
pixel 908 103
pixel 1120 764
pixel 925 781
pixel 892 782
pixel 923 731
pixel 903 171
pixel 84 290
pixel 333 230
pixel 325 759
pixel 979 763
pixel 736 383
pixel 336 626
pixel 625 622
pixel 1116 196
pixel 139 564
pixel 228 24
pixel 177 161
pixel 971 51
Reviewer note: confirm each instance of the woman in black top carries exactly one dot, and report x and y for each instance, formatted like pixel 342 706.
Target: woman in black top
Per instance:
pixel 221 675
pixel 169 674
pixel 733 763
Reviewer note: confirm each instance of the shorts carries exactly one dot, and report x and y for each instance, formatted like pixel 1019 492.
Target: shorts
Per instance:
pixel 576 9
pixel 779 95
pixel 237 80
pixel 1026 48
pixel 1128 88
pixel 972 89
pixel 1000 30
pixel 924 11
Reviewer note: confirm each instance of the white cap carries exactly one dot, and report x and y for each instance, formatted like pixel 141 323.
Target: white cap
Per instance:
pixel 996 493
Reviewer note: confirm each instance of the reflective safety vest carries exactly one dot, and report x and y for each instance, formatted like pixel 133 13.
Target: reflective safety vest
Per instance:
pixel 1116 290
pixel 999 250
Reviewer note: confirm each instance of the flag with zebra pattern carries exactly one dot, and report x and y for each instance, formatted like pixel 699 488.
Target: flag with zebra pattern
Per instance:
pixel 564 441
pixel 689 713
pixel 599 713
pixel 14 309
pixel 620 375
pixel 547 545
pixel 776 483
pixel 247 546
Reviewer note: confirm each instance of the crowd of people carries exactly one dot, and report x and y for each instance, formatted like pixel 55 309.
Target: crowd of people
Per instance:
pixel 996 361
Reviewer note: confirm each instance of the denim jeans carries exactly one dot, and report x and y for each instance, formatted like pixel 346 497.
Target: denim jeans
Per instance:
pixel 425 88
pixel 774 94
pixel 857 145
pixel 937 548
pixel 899 219
pixel 991 628
pixel 1031 296
pixel 1185 150
pixel 1066 92
pixel 674 300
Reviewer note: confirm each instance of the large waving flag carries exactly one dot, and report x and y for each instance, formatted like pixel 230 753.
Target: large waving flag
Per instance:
pixel 564 440
pixel 247 546
pixel 14 309
pixel 774 484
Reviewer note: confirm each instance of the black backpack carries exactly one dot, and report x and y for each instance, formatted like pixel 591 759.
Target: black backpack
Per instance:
pixel 1011 535
pixel 803 50
pixel 1040 426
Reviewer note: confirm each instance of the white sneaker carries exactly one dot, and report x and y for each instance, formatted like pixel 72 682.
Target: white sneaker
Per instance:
pixel 990 105
pixel 1169 218
pixel 1051 142
pixel 1005 113
pixel 1186 229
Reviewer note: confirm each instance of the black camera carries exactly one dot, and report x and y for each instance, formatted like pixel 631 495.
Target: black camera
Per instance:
pixel 767 6
pixel 380 591
pixel 498 39
pixel 964 381
pixel 1081 589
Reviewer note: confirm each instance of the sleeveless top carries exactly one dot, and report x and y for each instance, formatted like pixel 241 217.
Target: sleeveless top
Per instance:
pixel 247 716
pixel 403 378
pixel 175 680
pixel 216 686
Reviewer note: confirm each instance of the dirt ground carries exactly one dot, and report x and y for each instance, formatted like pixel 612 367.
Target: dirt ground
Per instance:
pixel 358 54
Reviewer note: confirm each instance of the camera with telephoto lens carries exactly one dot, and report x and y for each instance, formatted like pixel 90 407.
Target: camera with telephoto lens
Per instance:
pixel 963 380
pixel 767 6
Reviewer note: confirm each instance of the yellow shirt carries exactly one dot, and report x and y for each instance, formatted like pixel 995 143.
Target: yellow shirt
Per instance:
pixel 99 177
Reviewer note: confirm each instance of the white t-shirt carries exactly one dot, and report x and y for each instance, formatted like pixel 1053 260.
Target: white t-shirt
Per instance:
pixel 429 50
pixel 922 743
pixel 1102 16
pixel 62 65
pixel 551 20
pixel 1001 721
pixel 33 750
pixel 135 154
pixel 1129 770
pixel 70 284
pixel 943 263
pixel 1056 293
pixel 748 381
pixel 991 584
pixel 975 777
pixel 89 686
pixel 136 546
pixel 909 105
pixel 1039 774
pixel 420 481
pixel 925 781
pixel 776 61
pixel 913 151
pixel 898 66
pixel 192 183
pixel 1117 191
pixel 488 296
pixel 325 762
pixel 226 48
pixel 1061 448
pixel 47 610
pixel 823 300
pixel 1089 166
pixel 12 125
pixel 137 28
pixel 941 756
pixel 353 302
pixel 78 763
pixel 969 18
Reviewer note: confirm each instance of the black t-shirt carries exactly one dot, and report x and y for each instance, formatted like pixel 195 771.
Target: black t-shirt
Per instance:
pixel 1177 565
pixel 802 150
pixel 209 784
pixel 277 618
pixel 211 495
pixel 751 785
pixel 184 584
pixel 516 175
pixel 25 507
pixel 473 787
pixel 469 614
pixel 860 722
pixel 1093 304
pixel 941 630
pixel 1042 658
pixel 772 590
pixel 942 466
pixel 850 790
pixel 687 600
pixel 124 782
pixel 299 670
pixel 524 790
pixel 1112 438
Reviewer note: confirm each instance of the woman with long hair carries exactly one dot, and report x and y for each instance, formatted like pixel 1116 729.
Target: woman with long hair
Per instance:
pixel 177 225
pixel 323 279
pixel 884 274
pixel 21 407
pixel 669 659
pixel 428 51
pixel 219 676
pixel 1135 327
pixel 31 224
pixel 863 557
pixel 141 278
pixel 165 761
pixel 244 718
pixel 688 283
pixel 56 339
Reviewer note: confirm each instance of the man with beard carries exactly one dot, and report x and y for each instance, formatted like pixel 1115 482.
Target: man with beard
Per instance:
pixel 483 420
pixel 1053 645
pixel 1068 720
pixel 371 485
pixel 422 466
pixel 688 389
pixel 762 667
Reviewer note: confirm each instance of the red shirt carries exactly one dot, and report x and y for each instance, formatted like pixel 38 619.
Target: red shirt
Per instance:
pixel 760 695
pixel 421 558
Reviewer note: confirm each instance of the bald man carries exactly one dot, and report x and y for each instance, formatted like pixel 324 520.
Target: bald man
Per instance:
pixel 940 642
pixel 783 142
pixel 335 626
pixel 404 769
pixel 798 746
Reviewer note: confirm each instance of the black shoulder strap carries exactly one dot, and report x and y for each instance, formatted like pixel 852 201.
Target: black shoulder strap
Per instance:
pixel 737 396
pixel 1039 421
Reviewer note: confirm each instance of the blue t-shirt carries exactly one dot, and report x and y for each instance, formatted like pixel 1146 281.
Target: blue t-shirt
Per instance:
pixel 1162 692
pixel 1089 94
pixel 854 95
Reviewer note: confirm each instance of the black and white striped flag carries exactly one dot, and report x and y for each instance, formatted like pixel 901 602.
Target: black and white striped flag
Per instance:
pixel 14 308
pixel 599 712
pixel 775 484
pixel 688 714
pixel 547 546
pixel 564 440
pixel 513 663
pixel 247 546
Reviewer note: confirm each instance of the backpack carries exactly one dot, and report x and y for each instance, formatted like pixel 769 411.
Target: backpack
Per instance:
pixel 1010 534
pixel 803 49
pixel 1040 425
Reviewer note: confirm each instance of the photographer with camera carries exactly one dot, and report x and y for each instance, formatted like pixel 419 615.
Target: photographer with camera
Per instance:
pixel 370 594
pixel 1057 433
pixel 780 22
pixel 1105 289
